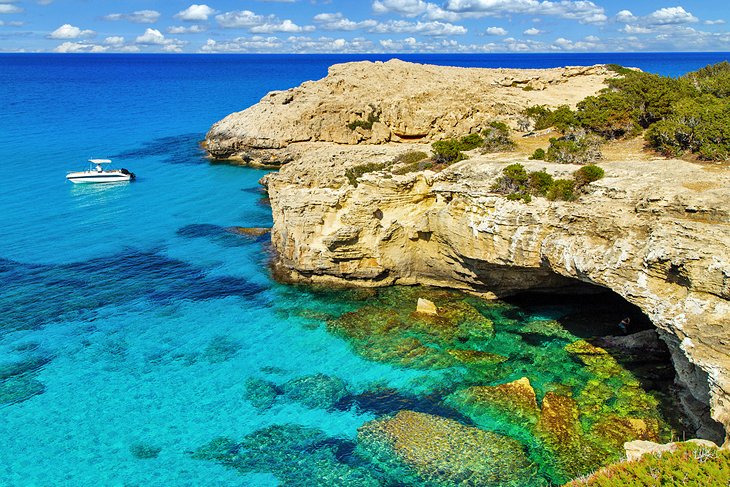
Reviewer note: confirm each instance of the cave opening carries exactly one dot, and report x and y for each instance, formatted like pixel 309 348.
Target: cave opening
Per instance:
pixel 594 313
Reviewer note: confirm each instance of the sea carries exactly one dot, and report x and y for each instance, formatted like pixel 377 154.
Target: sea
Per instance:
pixel 137 326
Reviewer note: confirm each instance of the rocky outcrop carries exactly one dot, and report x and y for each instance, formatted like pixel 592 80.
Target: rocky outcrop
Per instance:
pixel 656 232
pixel 378 102
pixel 639 232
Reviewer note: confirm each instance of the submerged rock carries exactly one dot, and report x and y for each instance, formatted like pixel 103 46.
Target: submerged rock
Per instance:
pixel 19 388
pixel 261 393
pixel 220 349
pixel 440 451
pixel 514 401
pixel 249 231
pixel 295 454
pixel 316 391
pixel 144 451
pixel 426 307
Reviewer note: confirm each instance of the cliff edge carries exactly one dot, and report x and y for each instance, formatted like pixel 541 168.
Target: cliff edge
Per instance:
pixel 654 231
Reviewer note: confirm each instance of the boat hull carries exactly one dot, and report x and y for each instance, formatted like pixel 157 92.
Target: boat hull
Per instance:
pixel 86 177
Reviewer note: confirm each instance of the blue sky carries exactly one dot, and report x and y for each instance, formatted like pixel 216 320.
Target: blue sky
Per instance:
pixel 221 26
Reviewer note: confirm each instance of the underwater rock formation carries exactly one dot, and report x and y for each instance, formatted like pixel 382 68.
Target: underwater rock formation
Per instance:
pixel 296 455
pixel 441 451
pixel 316 391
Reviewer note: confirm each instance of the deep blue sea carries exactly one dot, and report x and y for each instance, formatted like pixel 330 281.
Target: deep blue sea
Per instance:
pixel 130 319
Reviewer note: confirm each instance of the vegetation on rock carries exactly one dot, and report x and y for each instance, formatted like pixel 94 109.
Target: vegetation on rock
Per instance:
pixel 517 184
pixel 690 114
pixel 689 465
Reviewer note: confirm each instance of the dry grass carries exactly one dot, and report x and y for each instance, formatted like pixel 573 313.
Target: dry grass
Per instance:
pixel 701 186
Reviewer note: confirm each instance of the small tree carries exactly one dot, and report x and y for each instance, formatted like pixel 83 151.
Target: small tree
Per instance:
pixel 496 138
pixel 447 151
pixel 587 174
pixel 563 190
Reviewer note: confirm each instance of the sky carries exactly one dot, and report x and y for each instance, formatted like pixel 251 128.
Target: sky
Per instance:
pixel 367 26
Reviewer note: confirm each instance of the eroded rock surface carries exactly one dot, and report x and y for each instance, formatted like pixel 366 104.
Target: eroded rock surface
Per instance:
pixel 375 103
pixel 656 232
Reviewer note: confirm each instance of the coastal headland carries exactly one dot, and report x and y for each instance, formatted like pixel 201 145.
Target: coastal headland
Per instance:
pixel 350 208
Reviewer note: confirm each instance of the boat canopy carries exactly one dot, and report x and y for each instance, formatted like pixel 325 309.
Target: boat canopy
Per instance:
pixel 100 161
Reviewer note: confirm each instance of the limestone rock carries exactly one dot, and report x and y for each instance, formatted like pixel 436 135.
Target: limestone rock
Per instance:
pixel 646 231
pixel 374 103
pixel 636 449
pixel 426 307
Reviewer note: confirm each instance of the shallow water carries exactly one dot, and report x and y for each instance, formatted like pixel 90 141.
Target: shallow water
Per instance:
pixel 131 320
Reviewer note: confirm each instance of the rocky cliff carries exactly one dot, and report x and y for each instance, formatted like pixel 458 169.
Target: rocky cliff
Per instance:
pixel 373 103
pixel 653 231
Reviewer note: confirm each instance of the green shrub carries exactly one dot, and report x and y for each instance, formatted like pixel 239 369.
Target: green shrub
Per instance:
pixel 611 115
pixel 617 68
pixel 354 173
pixel 513 180
pixel 562 190
pixel 587 174
pixel 700 125
pixel 410 157
pixel 447 151
pixel 562 118
pixel 373 116
pixel 539 155
pixel 470 142
pixel 540 182
pixel 689 465
pixel 497 138
pixel 574 148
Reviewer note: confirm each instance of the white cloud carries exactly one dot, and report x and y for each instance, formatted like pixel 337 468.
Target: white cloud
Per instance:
pixel 195 13
pixel 670 15
pixel 424 28
pixel 714 22
pixel 6 8
pixel 114 41
pixel 337 21
pixel 496 31
pixel 583 11
pixel 191 29
pixel 68 31
pixel 532 31
pixel 409 8
pixel 151 36
pixel 138 17
pixel 241 18
pixel 79 47
pixel 283 26
pixel 625 16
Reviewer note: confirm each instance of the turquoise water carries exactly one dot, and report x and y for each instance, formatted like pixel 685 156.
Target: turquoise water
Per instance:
pixel 129 315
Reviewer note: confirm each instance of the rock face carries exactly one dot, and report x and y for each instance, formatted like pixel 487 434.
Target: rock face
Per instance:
pixel 378 102
pixel 655 232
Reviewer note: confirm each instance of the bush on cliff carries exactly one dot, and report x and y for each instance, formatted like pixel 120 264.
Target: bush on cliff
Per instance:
pixel 497 138
pixel 587 174
pixel 577 147
pixel 354 173
pixel 686 115
pixel 450 151
pixel 689 465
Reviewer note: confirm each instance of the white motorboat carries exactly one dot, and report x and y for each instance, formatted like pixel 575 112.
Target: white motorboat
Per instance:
pixel 97 173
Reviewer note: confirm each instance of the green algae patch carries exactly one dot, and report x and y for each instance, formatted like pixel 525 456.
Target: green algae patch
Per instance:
pixel 424 449
pixel 689 465
pixel 388 329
